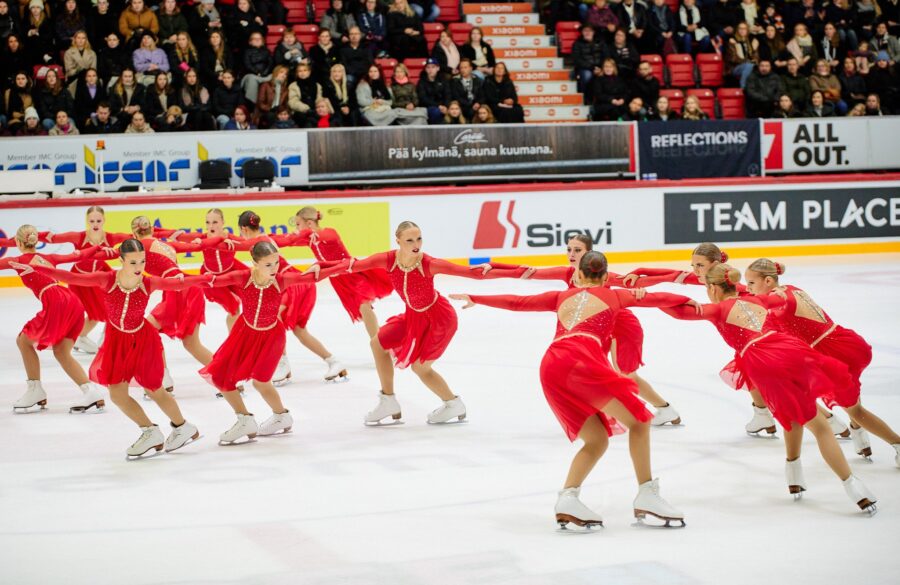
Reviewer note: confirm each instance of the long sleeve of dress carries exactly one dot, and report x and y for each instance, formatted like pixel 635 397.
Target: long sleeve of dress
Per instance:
pixel 86 254
pixel 552 273
pixel 11 242
pixel 668 275
pixel 687 313
pixel 659 300
pixel 189 247
pixel 440 266
pixel 96 279
pixel 379 260
pixel 281 240
pixel 543 302
pixel 156 283
pixel 235 278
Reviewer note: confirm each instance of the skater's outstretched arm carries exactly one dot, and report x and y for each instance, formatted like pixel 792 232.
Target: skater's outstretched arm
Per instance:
pixel 379 260
pixel 628 299
pixel 236 278
pixel 11 242
pixel 96 279
pixel 563 273
pixel 543 302
pixel 179 282
pixel 86 254
pixel 709 312
pixel 206 244
pixel 440 266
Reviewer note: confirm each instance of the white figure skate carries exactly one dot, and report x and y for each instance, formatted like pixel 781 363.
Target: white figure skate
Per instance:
pixel 85 344
pixel 860 494
pixel 861 443
pixel 34 396
pixel 449 410
pixel 666 415
pixel 762 421
pixel 181 436
pixel 571 510
pixel 793 473
pixel 92 398
pixel 838 427
pixel 278 423
pixel 282 373
pixel 387 407
pixel 649 503
pixel 151 438
pixel 244 427
pixel 337 372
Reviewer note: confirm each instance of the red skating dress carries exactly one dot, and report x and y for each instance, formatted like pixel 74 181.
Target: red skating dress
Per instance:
pixel 788 373
pixel 131 348
pixel 352 289
pixel 256 342
pixel 62 314
pixel 424 331
pixel 181 311
pixel 801 317
pixel 578 380
pixel 91 297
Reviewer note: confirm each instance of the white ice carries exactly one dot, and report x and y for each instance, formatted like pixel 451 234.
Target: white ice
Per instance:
pixel 336 502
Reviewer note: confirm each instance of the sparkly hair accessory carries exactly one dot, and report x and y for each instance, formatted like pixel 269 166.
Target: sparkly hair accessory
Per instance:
pixel 727 278
pixel 723 258
pixel 318 215
pixel 779 268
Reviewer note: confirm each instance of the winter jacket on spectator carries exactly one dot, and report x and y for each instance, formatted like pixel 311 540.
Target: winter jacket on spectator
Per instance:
pixel 265 100
pixel 289 55
pixel 101 25
pixel 302 95
pixel 95 126
pixel 226 100
pixel 853 88
pixel 467 94
pixel 762 92
pixel 587 55
pixel 606 88
pixel 339 23
pixel 258 60
pixel 467 51
pixel 66 26
pixel 626 58
pixel 826 111
pixel 12 62
pixel 130 22
pixel 180 62
pixel 240 25
pixel 48 102
pixel 322 60
pixel 433 94
pixel 77 61
pixel 402 45
pixel 639 16
pixel 86 100
pixel 119 101
pixel 886 43
pixel 169 25
pixel 110 62
pixel 829 84
pixel 724 14
pixel 9 23
pixel 494 94
pixel 661 20
pixel 41 47
pixel 211 65
pixel 356 60
pixel 797 86
pixel 373 26
pixel 156 103
pixel 143 58
pixel 645 88
pixel 600 19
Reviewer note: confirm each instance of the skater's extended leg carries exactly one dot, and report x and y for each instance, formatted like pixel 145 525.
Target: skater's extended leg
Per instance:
pixel 88 327
pixel 433 380
pixel 828 446
pixel 383 365
pixel 311 343
pixel 793 442
pixel 167 404
pixel 196 348
pixel 860 416
pixel 270 395
pixel 29 357
pixel 118 393
pixel 638 439
pixel 596 441
pixel 236 402
pixel 62 351
pixel 369 319
pixel 758 400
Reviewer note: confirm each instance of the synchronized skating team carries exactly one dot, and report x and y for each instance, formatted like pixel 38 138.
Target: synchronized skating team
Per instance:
pixel 793 360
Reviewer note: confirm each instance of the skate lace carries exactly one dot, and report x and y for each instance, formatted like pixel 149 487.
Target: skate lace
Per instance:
pixel 144 435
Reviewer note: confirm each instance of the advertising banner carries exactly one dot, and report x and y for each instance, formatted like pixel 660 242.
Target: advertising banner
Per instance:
pixel 154 161
pixel 689 149
pixel 782 214
pixel 453 153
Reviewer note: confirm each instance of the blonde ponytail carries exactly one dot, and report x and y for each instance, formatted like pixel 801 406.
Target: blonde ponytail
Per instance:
pixel 141 227
pixel 711 252
pixel 724 276
pixel 27 236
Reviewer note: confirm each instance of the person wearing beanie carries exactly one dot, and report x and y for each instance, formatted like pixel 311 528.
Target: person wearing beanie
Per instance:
pixel 32 125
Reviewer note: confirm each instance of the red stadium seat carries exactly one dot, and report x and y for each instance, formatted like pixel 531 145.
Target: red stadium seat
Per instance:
pixel 449 10
pixel 657 63
pixel 711 68
pixel 40 72
pixel 676 98
pixel 681 70
pixel 387 69
pixel 321 7
pixel 567 32
pixel 308 34
pixel 295 11
pixel 731 102
pixel 673 6
pixel 460 32
pixel 273 35
pixel 707 100
pixel 415 67
pixel 432 32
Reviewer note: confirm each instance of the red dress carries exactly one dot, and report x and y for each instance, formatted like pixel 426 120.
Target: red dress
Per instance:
pixel 352 289
pixel 256 342
pixel 181 311
pixel 62 314
pixel 91 297
pixel 788 373
pixel 424 331
pixel 578 380
pixel 801 317
pixel 132 349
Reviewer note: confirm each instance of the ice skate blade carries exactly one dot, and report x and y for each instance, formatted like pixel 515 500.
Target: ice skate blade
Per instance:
pixel 159 451
pixel 394 422
pixel 197 436
pixel 459 420
pixel 868 506
pixel 282 382
pixel 97 406
pixel 578 526
pixel 279 433
pixel 27 409
pixel 337 380
pixel 796 491
pixel 237 442
pixel 866 454
pixel 669 423
pixel 641 516
pixel 758 434
pixel 843 435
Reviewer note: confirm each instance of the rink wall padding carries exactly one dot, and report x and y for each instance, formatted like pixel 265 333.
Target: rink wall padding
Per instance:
pixel 642 222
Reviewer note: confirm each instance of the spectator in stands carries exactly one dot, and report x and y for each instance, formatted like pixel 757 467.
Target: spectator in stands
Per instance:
pixel 289 51
pixel 302 95
pixel 663 112
pixel 661 25
pixel 692 109
pixel 135 20
pixel 882 80
pixel 890 14
pixel 183 56
pixel 830 46
pixel 625 55
pixel 771 17
pixel 742 54
pixel 139 125
pixel 446 54
pixel 633 19
pixel 866 14
pixel 195 101
pixel 113 58
pixel 171 21
pixel 14 60
pixel 337 90
pixel 805 13
pixel 602 19
pixel 243 23
pixel 479 53
pixel 102 121
pixel 484 115
pixel 829 84
pixel 173 120
pixel 454 114
pixel 750 14
pixel 882 41
pixel 426 10
pixel 273 94
pixel 226 98
pixel 796 85
pixel 9 21
pixel 51 98
pixel 325 117
pixel 773 48
pixel 89 91
pixel 241 120
pixel 157 98
pixel 215 59
pixel 839 14
pixel 500 95
pixel 763 89
pixel 101 22
pixel 375 99
pixel 355 56
pixel 271 11
pixel 723 20
pixel 853 86
pixel 467 89
pixel 338 21
pixel 40 43
pixel 149 60
pixel 587 55
pixel 68 22
pixel 873 105
pixel 864 57
pixel 126 97
pixel 610 92
pixel 79 57
pixel 31 126
pixel 406 99
pixel 635 111
pixel 818 107
pixel 859 110
pixel 405 33
pixel 17 99
pixel 205 19
pixel 433 92
pixel 785 108
pixel 63 126
pixel 373 24
pixel 258 64
pixel 323 55
pixel 692 28
pixel 283 120
pixel 803 48
pixel 645 85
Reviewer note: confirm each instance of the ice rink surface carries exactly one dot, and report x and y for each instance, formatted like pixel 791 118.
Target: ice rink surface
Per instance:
pixel 336 502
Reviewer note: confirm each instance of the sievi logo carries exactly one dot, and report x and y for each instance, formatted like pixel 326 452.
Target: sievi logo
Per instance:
pixel 492 232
